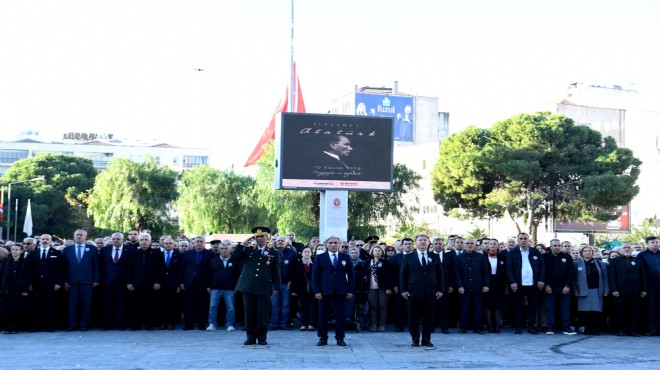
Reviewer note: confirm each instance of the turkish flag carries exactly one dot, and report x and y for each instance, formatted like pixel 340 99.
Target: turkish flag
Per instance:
pixel 283 106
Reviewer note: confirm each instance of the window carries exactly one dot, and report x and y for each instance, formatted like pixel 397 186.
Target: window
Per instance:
pixel 11 156
pixel 190 161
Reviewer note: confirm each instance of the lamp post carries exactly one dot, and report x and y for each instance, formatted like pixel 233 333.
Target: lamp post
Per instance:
pixel 9 202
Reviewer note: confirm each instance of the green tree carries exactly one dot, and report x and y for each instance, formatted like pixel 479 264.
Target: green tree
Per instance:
pixel 212 201
pixel 295 210
pixel 55 209
pixel 368 211
pixel 298 210
pixel 534 166
pixel 130 195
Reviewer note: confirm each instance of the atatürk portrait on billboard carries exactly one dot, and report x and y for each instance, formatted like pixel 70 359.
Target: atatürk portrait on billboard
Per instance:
pixel 336 152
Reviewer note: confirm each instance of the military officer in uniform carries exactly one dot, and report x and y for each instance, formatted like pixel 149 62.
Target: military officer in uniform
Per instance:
pixel 258 281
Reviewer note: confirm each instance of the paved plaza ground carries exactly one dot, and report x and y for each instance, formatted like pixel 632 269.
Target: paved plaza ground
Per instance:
pixel 297 350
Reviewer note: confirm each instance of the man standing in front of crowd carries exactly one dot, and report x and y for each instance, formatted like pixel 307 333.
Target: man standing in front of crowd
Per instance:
pixel 47 280
pixel 422 285
pixel 650 259
pixel 82 275
pixel 525 273
pixel 558 280
pixel 332 283
pixel 628 286
pixel 258 282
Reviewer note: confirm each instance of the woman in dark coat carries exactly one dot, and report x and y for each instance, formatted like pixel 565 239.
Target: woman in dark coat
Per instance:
pixel 590 286
pixel 15 288
pixel 377 277
pixel 494 299
pixel 301 286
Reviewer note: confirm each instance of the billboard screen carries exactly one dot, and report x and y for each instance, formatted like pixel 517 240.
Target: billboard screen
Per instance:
pixel 333 152
pixel 620 225
pixel 399 108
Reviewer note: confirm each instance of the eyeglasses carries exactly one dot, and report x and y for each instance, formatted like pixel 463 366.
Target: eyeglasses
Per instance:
pixel 522 238
pixel 359 245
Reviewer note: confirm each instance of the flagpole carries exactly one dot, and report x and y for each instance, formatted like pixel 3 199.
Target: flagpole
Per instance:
pixel 292 85
pixel 15 219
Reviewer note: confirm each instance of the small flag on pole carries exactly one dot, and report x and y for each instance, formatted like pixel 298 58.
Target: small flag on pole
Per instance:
pixel 27 226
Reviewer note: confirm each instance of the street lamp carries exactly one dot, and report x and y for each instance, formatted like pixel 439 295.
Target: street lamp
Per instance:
pixel 9 202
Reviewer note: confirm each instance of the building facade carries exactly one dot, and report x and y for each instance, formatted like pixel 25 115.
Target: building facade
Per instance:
pixel 101 150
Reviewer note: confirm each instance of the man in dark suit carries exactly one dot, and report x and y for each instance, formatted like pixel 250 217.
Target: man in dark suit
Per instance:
pixel 145 272
pixel 333 283
pixel 558 281
pixel 170 286
pixel 47 280
pixel 400 304
pixel 472 280
pixel 258 282
pixel 422 284
pixel 194 276
pixel 82 275
pixel 113 262
pixel 526 276
pixel 448 261
pixel 628 285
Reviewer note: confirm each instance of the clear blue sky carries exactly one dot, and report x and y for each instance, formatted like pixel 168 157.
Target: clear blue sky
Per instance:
pixel 129 67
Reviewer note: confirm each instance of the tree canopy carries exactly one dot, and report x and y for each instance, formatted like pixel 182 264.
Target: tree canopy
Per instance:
pixel 55 208
pixel 534 166
pixel 212 201
pixel 130 195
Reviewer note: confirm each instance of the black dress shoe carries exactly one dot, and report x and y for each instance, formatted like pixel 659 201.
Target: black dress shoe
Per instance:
pixel 84 328
pixel 533 331
pixel 249 342
pixel 71 329
pixel 427 343
pixel 322 342
pixel 398 330
pixel 462 331
pixel 415 342
pixel 263 342
pixel 341 343
pixel 479 331
pixel 517 331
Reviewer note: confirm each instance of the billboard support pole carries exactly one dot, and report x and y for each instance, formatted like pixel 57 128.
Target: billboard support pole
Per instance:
pixel 333 220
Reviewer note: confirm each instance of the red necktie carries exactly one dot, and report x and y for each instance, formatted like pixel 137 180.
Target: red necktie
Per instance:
pixel 116 255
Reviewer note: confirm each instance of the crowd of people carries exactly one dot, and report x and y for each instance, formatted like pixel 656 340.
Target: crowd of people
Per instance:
pixel 277 283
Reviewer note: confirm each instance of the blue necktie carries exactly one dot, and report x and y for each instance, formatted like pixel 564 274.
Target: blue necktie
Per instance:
pixel 334 259
pixel 198 258
pixel 423 259
pixel 79 254
pixel 167 259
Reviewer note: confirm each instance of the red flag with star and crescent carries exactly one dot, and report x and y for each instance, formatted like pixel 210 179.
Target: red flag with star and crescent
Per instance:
pixel 283 106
